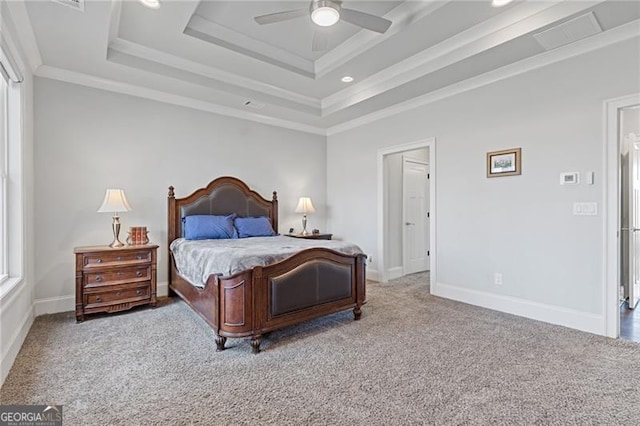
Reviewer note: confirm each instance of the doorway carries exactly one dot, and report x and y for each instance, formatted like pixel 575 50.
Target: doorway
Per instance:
pixel 622 247
pixel 415 212
pixel 406 210
pixel 629 139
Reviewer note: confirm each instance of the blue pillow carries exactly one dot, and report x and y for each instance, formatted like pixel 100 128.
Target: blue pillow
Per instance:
pixel 204 227
pixel 254 227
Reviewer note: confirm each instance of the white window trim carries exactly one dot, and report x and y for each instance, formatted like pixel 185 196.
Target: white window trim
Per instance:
pixel 4 165
pixel 12 260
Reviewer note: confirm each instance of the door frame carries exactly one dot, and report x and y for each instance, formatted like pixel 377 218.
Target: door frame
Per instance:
pixel 429 143
pixel 405 159
pixel 611 220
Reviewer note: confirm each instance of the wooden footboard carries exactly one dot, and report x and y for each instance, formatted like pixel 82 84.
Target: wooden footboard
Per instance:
pixel 308 285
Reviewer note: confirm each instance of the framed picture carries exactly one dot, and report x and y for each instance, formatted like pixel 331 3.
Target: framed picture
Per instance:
pixel 503 163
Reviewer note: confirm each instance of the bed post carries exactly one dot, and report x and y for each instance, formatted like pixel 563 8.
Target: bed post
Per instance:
pixel 361 284
pixel 274 211
pixel 171 230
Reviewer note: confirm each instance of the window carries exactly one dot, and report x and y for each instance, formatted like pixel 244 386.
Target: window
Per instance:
pixel 11 168
pixel 3 178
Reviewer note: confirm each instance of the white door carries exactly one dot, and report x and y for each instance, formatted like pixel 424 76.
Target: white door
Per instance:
pixel 415 215
pixel 634 222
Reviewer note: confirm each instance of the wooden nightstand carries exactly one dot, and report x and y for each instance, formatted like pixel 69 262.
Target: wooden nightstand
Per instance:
pixel 311 236
pixel 114 279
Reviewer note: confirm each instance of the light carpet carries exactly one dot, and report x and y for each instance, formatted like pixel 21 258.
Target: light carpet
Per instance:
pixel 412 359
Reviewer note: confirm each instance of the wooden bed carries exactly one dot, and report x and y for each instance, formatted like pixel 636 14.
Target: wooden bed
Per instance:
pixel 252 303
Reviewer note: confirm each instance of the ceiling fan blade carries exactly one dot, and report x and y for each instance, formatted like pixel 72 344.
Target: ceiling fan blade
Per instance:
pixel 281 16
pixel 320 40
pixel 365 20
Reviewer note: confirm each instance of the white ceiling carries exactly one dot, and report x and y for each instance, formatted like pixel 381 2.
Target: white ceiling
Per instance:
pixel 212 55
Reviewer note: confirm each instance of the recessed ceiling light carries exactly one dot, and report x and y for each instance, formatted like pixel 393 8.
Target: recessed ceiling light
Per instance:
pixel 347 79
pixel 152 4
pixel 500 3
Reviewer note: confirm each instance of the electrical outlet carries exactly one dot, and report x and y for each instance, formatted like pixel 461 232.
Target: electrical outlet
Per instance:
pixel 370 259
pixel 497 278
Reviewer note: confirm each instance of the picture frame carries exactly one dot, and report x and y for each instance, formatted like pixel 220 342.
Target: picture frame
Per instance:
pixel 506 162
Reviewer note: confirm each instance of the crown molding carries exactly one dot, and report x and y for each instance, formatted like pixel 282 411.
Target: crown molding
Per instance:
pixel 402 17
pixel 24 33
pixel 497 30
pixel 87 80
pixel 137 50
pixel 624 32
pixel 219 35
pixel 114 22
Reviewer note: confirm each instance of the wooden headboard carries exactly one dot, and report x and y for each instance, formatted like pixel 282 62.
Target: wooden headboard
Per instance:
pixel 223 196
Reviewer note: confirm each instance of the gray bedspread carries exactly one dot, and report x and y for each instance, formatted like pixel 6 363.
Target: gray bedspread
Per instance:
pixel 196 260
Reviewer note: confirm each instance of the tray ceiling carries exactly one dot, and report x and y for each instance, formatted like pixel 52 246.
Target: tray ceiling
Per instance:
pixel 213 55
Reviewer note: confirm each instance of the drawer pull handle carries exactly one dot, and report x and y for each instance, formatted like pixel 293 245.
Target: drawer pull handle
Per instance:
pixel 119 257
pixel 139 257
pixel 98 299
pixel 118 273
pixel 138 292
pixel 138 273
pixel 98 278
pixel 118 293
pixel 98 260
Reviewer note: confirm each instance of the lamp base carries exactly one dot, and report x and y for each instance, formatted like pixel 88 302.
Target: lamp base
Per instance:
pixel 116 243
pixel 304 225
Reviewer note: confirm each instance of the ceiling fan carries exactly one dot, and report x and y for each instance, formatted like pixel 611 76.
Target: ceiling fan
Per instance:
pixel 325 13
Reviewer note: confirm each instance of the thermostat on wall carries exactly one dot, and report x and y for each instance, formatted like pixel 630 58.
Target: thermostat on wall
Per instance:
pixel 569 178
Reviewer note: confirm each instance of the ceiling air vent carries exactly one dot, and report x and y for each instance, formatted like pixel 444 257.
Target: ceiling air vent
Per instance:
pixel 74 4
pixel 568 32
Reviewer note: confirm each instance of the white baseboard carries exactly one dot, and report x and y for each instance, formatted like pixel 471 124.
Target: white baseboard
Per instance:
pixel 396 272
pixel 15 343
pixel 373 275
pixel 53 305
pixel 162 289
pixel 571 318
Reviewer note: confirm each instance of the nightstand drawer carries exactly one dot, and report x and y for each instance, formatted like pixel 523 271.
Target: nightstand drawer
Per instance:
pixel 93 260
pixel 121 295
pixel 116 276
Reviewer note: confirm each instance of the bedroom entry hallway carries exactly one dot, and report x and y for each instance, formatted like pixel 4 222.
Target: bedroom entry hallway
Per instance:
pixel 406 207
pixel 629 139
pixel 622 217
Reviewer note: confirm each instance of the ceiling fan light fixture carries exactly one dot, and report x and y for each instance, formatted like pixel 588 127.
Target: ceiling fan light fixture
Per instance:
pixel 500 3
pixel 325 13
pixel 151 4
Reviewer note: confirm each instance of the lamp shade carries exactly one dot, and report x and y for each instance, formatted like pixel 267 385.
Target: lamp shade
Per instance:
pixel 305 206
pixel 114 202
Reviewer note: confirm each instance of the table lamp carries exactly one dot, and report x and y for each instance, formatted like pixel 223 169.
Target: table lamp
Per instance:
pixel 114 202
pixel 305 206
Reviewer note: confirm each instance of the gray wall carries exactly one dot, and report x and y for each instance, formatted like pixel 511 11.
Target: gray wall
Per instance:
pixel 88 140
pixel 520 226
